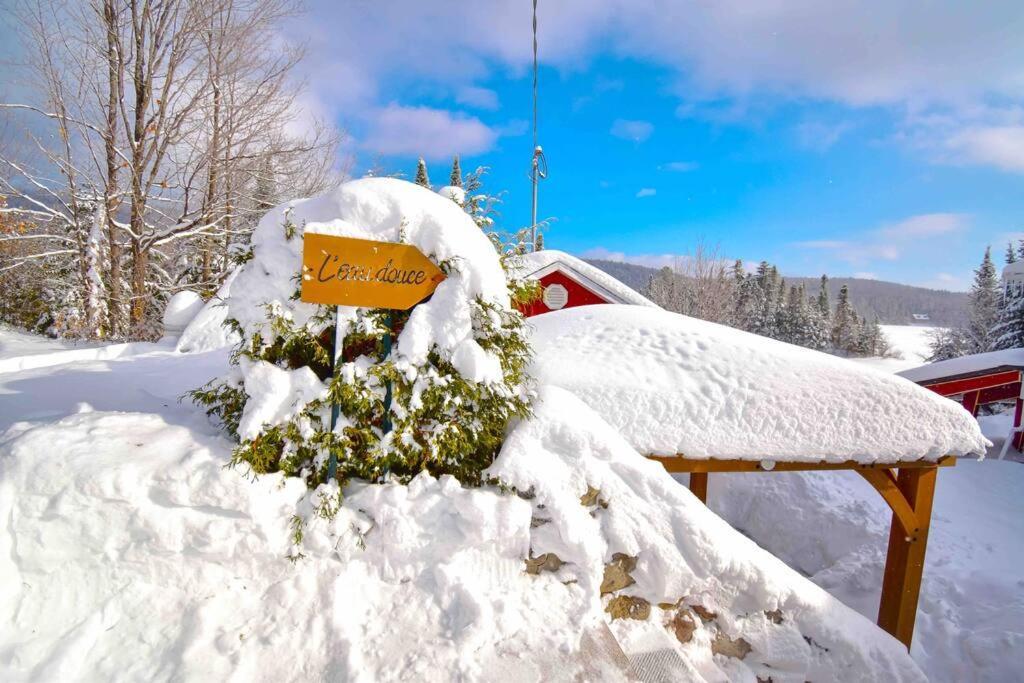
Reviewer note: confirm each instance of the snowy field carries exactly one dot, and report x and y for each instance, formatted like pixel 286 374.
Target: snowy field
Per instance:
pixel 910 345
pixel 139 486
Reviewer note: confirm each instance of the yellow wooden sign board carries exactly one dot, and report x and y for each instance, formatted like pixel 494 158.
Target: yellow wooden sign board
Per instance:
pixel 345 271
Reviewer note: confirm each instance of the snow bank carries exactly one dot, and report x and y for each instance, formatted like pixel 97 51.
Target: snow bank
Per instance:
pixel 136 555
pixel 672 384
pixel 180 310
pixel 208 330
pixel 595 498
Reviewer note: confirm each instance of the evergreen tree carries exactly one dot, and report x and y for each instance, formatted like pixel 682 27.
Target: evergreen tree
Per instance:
pixel 456 178
pixel 984 303
pixel 948 343
pixel 539 246
pixel 1020 249
pixel 844 323
pixel 762 305
pixel 1011 255
pixel 421 174
pixel 824 305
pixel 1008 332
pixel 818 331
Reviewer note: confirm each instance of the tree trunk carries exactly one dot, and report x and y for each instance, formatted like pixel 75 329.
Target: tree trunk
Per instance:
pixel 115 304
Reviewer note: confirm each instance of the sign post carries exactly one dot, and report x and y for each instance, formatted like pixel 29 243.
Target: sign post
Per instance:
pixel 345 271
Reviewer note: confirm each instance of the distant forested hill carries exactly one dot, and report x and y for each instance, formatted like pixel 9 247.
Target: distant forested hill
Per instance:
pixel 893 303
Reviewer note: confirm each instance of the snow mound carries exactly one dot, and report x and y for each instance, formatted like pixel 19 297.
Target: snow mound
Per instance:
pixel 672 384
pixel 143 558
pixel 382 209
pixel 208 330
pixel 180 310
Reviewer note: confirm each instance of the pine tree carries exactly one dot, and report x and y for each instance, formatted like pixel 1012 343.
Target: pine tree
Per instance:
pixel 948 343
pixel 421 174
pixel 824 305
pixel 762 300
pixel 456 178
pixel 984 303
pixel 1008 332
pixel 1020 249
pixel 844 323
pixel 1011 255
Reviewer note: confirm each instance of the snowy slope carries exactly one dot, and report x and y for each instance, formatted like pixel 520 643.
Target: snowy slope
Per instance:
pixel 136 555
pixel 673 384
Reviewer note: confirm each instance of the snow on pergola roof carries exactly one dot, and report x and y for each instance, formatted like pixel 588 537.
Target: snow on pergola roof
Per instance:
pixel 537 264
pixel 966 366
pixel 677 385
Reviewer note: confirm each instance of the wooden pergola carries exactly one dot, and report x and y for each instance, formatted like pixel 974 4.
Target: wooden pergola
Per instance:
pixel 907 487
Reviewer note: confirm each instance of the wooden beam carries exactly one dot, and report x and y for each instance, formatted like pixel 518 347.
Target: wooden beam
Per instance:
pixel 962 386
pixel 885 483
pixel 904 562
pixel 970 402
pixel 699 485
pixel 679 463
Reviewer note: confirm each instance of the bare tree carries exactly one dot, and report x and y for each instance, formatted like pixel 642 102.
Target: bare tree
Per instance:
pixel 161 129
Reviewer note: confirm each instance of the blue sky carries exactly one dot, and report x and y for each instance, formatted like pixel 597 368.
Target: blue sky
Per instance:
pixel 864 138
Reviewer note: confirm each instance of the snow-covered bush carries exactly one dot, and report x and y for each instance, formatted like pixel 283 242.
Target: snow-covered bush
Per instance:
pixel 457 369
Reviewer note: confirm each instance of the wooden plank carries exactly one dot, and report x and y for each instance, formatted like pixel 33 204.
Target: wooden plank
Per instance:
pixel 699 485
pixel 904 563
pixel 1001 393
pixel 1018 438
pixel 675 463
pixel 884 482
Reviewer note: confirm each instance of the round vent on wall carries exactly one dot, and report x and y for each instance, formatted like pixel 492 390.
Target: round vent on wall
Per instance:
pixel 555 297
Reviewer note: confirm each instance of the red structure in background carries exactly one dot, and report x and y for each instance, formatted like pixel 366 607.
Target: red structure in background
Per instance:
pixel 991 380
pixel 577 294
pixel 567 281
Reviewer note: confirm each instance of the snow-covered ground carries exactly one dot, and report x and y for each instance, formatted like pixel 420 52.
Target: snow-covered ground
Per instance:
pixel 910 345
pixel 129 552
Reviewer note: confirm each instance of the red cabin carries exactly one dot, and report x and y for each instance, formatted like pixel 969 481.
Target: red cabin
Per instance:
pixel 977 380
pixel 567 281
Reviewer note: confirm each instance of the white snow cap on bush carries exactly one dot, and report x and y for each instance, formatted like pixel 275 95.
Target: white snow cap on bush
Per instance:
pixel 456 194
pixel 382 209
pixel 180 310
pixel 207 330
pixel 672 384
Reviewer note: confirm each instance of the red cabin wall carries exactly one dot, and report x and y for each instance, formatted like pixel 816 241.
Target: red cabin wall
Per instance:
pixel 578 294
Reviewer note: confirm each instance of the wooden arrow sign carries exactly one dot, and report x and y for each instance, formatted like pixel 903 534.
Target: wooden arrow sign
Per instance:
pixel 345 271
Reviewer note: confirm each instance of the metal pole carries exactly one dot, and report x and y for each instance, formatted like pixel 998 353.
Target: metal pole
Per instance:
pixel 386 422
pixel 339 341
pixel 533 208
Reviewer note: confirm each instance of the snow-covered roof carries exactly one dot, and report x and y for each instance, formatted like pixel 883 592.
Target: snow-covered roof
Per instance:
pixel 966 365
pixel 1015 268
pixel 537 264
pixel 676 385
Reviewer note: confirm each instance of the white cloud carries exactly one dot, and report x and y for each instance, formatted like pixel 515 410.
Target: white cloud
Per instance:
pixel 481 98
pixel 893 241
pixel 431 133
pixel 999 146
pixel 679 166
pixel 637 131
pixel 646 192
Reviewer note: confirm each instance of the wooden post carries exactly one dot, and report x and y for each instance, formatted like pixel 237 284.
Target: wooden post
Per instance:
pixel 904 563
pixel 970 402
pixel 1018 437
pixel 699 485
